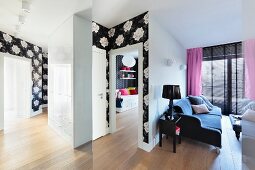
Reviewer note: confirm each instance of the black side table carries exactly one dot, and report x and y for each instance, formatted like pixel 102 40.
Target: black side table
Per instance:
pixel 236 124
pixel 168 127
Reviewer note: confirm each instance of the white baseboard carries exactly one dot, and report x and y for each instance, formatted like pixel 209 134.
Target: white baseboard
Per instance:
pixel 44 105
pixel 36 112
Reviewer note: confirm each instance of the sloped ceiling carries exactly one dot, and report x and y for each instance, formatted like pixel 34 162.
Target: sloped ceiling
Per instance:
pixel 193 23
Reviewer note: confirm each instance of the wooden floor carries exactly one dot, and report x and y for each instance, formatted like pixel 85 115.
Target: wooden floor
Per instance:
pixel 31 144
pixel 119 151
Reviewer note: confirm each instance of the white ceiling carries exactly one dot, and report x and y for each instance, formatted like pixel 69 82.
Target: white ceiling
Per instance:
pixel 44 18
pixel 195 23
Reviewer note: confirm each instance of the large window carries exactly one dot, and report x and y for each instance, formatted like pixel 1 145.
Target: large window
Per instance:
pixel 223 76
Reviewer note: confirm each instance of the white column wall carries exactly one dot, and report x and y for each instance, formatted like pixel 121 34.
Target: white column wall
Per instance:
pixel 82 79
pixel 163 46
pixel 1 93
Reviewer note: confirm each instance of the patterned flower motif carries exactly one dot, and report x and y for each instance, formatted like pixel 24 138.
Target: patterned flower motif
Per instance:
pixel 36 62
pixel 104 42
pixel 146 127
pixel 40 57
pixel 36 102
pixel 138 34
pixel 7 38
pixel 36 89
pixel 146 45
pixel 95 27
pixel 111 32
pixel 36 48
pixel 45 65
pixel 146 100
pixel 24 44
pixel 30 53
pixel 146 72
pixel 146 18
pixel 36 76
pixel 40 95
pixel 127 26
pixel 40 83
pixel 45 87
pixel 45 76
pixel 45 97
pixel 1 45
pixel 119 40
pixel 15 49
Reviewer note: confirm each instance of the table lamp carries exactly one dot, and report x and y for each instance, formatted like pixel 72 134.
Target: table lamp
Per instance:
pixel 171 92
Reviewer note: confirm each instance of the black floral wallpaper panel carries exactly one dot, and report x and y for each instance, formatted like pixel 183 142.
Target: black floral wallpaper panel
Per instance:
pixel 45 78
pixel 21 48
pixel 133 31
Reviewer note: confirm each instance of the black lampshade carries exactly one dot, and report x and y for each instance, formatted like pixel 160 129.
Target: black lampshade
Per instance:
pixel 171 92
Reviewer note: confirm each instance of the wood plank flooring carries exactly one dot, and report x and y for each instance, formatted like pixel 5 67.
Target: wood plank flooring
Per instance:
pixel 119 151
pixel 31 144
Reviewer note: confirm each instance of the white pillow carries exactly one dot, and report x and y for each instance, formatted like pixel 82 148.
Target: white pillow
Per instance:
pixel 200 108
pixel 249 115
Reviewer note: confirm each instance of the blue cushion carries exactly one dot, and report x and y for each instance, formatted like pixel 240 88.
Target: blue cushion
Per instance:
pixel 185 106
pixel 195 100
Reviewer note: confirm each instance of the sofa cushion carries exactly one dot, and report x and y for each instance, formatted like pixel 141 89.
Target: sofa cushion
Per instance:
pixel 183 106
pixel 195 100
pixel 207 102
pixel 215 111
pixel 210 121
pixel 200 108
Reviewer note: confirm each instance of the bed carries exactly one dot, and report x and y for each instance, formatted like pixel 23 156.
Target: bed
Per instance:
pixel 126 102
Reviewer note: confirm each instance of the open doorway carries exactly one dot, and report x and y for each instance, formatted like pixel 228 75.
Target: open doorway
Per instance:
pixel 17 89
pixel 126 88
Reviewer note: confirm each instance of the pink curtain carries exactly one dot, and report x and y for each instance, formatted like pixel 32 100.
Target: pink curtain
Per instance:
pixel 194 69
pixel 249 57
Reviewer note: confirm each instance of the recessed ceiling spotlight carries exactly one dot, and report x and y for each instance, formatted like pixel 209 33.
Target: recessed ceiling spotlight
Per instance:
pixel 26 6
pixel 22 19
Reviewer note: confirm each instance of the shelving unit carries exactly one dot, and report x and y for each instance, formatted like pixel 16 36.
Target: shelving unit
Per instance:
pixel 128 78
pixel 128 71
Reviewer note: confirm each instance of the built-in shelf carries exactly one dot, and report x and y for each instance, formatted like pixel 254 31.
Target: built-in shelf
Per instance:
pixel 129 71
pixel 127 78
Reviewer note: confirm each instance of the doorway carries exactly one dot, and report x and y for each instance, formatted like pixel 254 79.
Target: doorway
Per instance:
pixel 137 48
pixel 17 85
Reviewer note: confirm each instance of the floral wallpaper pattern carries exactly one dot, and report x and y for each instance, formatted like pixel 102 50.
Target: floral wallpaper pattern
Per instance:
pixel 20 48
pixel 133 31
pixel 45 78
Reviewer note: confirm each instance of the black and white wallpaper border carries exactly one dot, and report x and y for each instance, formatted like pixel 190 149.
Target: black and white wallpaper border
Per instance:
pixel 133 31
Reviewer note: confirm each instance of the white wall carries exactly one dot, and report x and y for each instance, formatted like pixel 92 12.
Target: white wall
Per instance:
pixel 82 81
pixel 70 109
pixel 1 93
pixel 60 94
pixel 248 19
pixel 162 47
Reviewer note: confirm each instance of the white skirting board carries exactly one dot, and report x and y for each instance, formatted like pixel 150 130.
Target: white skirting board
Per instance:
pixel 36 113
pixel 44 105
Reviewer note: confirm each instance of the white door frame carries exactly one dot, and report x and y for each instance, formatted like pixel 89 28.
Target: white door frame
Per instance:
pixel 112 88
pixel 2 57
